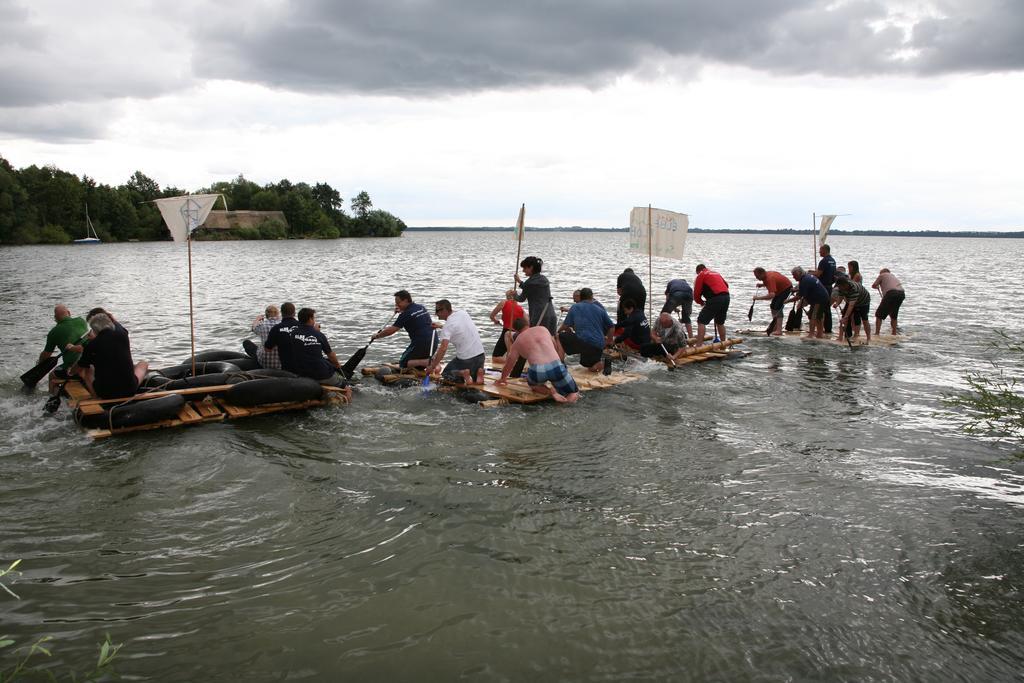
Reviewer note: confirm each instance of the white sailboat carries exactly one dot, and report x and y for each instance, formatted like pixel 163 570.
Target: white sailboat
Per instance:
pixel 90 232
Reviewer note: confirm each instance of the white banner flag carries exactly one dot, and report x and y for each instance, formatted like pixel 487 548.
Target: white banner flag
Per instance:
pixel 667 234
pixel 185 214
pixel 520 228
pixel 826 223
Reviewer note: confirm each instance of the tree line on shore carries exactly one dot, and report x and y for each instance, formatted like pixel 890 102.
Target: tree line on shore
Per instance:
pixel 45 205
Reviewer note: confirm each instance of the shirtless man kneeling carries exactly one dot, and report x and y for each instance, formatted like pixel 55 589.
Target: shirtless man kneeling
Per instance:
pixel 535 344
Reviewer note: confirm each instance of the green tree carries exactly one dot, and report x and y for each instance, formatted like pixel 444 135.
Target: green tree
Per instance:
pixel 13 203
pixel 361 204
pixel 327 197
pixel 145 187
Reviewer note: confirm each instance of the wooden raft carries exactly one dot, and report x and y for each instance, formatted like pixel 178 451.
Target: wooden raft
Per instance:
pixel 694 354
pixel 207 406
pixel 516 391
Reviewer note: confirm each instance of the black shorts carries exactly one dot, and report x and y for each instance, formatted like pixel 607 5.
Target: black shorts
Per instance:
pixel 653 350
pixel 715 307
pixel 679 301
pixel 890 304
pixel 590 355
pixel 860 314
pixel 779 302
pixel 417 351
pixel 60 373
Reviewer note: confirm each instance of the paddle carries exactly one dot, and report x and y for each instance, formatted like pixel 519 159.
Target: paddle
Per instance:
pixel 750 313
pixel 350 365
pixel 32 377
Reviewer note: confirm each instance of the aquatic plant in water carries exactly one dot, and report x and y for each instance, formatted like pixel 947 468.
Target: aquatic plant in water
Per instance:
pixel 993 405
pixel 27 660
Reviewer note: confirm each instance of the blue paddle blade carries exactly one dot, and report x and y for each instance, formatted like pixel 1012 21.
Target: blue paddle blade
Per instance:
pixel 427 386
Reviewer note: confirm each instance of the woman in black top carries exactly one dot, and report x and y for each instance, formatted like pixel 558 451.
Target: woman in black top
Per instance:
pixel 537 293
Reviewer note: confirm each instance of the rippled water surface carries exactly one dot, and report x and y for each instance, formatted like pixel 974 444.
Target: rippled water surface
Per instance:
pixel 805 513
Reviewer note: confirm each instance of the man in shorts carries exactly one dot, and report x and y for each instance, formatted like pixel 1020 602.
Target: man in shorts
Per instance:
pixel 536 346
pixel 711 291
pixel 586 330
pixel 779 288
pixel 417 323
pixel 811 291
pixel 459 331
pixel 892 298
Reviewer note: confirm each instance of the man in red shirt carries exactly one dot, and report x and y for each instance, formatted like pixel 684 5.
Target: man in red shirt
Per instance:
pixel 779 288
pixel 711 291
pixel 510 310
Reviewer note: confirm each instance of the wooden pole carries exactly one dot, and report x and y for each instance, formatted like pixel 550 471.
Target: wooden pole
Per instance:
pixel 814 237
pixel 520 229
pixel 650 269
pixel 191 317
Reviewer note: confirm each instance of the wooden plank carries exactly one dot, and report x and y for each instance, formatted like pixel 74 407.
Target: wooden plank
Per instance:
pixel 188 414
pixel 208 410
pixel 216 389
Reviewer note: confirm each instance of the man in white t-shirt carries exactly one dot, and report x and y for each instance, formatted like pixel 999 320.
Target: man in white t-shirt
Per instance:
pixel 460 331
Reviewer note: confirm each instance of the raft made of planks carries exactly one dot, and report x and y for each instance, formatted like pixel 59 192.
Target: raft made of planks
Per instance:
pixel 693 354
pixel 801 336
pixel 516 391
pixel 207 406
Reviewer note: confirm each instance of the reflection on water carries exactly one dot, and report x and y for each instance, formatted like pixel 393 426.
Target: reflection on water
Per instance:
pixel 803 513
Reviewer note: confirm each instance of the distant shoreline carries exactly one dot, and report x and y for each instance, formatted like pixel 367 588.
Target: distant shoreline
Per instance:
pixel 753 231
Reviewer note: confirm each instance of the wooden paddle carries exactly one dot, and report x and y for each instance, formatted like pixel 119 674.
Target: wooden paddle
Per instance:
pixel 349 368
pixel 32 377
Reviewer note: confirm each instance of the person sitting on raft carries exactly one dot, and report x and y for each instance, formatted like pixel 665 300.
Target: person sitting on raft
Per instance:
pixel 261 327
pixel 63 336
pixel 460 331
pixel 636 331
pixel 106 367
pixel 279 338
pixel 309 346
pixel 667 337
pixel 510 310
pixel 535 344
pixel 586 330
pixel 416 321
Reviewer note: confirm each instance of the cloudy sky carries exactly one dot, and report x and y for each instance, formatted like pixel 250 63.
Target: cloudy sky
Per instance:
pixel 742 113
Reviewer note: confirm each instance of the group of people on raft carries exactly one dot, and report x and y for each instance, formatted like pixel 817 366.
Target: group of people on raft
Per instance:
pixel 98 351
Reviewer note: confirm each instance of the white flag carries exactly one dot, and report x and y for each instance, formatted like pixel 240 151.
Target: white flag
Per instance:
pixel 520 228
pixel 667 232
pixel 826 223
pixel 185 214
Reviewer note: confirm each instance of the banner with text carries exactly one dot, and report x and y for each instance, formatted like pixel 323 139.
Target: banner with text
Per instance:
pixel 667 232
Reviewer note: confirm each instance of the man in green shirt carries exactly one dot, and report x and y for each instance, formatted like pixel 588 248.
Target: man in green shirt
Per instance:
pixel 68 330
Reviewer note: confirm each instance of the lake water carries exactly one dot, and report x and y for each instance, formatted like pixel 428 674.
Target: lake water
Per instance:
pixel 805 513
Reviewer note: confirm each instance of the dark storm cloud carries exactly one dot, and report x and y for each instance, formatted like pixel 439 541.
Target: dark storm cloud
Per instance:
pixel 447 46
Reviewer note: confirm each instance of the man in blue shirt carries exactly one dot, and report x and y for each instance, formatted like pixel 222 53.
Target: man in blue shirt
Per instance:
pixel 415 320
pixel 827 275
pixel 586 330
pixel 311 355
pixel 811 291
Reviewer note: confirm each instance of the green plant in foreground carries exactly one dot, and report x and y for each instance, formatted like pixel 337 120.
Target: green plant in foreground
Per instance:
pixel 993 405
pixel 25 667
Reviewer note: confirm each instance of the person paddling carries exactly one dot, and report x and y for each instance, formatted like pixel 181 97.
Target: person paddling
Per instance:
pixel 415 320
